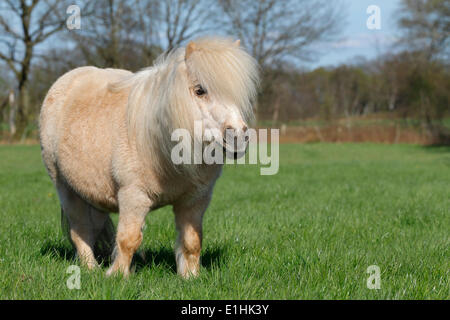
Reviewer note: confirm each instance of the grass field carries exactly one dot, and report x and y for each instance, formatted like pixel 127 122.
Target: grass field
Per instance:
pixel 309 232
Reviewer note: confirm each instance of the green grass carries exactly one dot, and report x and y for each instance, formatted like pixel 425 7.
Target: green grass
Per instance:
pixel 309 232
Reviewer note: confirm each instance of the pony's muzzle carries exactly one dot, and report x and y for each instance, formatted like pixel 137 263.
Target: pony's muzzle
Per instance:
pixel 235 142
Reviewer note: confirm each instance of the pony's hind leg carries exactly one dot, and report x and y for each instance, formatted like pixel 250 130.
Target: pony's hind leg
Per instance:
pixel 104 233
pixel 79 222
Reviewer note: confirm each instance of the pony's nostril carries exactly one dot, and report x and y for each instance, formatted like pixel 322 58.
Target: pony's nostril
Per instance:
pixel 244 128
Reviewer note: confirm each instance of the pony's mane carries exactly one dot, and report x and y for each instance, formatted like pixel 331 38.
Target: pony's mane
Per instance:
pixel 160 100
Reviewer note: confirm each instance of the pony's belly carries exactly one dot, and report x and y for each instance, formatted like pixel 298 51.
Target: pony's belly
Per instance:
pixel 88 173
pixel 107 205
pixel 105 200
pixel 97 191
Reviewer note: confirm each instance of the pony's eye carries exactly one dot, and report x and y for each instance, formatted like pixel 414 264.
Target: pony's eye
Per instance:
pixel 199 91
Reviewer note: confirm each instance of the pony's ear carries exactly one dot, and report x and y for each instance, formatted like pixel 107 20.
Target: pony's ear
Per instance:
pixel 237 42
pixel 189 49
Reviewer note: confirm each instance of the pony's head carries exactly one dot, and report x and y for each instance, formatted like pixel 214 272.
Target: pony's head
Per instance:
pixel 212 80
pixel 222 80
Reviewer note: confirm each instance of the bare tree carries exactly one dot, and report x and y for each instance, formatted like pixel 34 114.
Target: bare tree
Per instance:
pixel 23 26
pixel 426 33
pixel 181 20
pixel 426 26
pixel 131 33
pixel 116 33
pixel 275 30
pixel 278 32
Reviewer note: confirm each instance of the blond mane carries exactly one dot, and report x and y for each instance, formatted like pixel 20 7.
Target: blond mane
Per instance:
pixel 160 99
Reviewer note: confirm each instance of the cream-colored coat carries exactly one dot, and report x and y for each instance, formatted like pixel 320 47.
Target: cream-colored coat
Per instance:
pixel 97 166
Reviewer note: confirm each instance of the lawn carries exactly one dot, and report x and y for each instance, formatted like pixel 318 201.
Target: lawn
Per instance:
pixel 309 232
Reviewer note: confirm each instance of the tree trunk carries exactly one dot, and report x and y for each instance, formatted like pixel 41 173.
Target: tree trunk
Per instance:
pixel 276 111
pixel 256 109
pixel 21 109
pixel 22 97
pixel 12 114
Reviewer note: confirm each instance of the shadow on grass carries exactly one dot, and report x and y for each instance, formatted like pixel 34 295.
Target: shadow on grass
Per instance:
pixel 58 250
pixel 146 258
pixel 437 148
pixel 64 251
pixel 165 257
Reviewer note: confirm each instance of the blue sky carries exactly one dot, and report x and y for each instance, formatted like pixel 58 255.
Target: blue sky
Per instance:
pixel 356 39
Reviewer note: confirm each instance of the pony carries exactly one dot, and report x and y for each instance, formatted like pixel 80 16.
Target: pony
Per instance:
pixel 106 143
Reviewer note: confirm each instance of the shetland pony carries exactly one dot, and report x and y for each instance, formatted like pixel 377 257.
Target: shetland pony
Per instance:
pixel 106 143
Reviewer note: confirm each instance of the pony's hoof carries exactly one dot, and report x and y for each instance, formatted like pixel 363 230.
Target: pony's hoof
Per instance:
pixel 112 271
pixel 189 274
pixel 109 272
pixel 90 265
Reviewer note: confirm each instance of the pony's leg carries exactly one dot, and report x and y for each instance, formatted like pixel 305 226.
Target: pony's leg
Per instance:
pixel 98 219
pixel 188 220
pixel 104 233
pixel 80 224
pixel 133 207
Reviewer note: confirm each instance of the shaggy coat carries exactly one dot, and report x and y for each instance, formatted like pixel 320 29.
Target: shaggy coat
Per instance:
pixel 106 141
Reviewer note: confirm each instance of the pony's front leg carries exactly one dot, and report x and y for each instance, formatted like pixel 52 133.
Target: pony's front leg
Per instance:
pixel 133 207
pixel 188 219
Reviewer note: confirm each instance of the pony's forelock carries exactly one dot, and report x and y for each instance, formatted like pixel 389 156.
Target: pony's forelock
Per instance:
pixel 226 71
